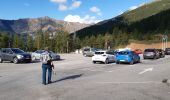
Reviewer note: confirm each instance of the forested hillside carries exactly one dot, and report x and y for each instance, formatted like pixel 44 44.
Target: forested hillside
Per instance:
pixel 144 23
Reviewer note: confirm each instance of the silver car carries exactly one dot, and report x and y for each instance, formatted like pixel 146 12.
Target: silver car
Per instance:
pixel 89 52
pixel 37 54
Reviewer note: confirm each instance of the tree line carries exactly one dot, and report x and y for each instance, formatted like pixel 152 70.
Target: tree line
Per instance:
pixel 57 42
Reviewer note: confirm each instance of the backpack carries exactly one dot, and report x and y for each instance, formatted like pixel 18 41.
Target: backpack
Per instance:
pixel 46 58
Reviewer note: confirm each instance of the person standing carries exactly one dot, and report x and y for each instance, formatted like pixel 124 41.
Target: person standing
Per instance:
pixel 47 65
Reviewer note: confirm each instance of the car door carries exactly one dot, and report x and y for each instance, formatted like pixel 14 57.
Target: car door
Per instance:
pixel 9 55
pixel 3 53
pixel 110 55
pixel 135 56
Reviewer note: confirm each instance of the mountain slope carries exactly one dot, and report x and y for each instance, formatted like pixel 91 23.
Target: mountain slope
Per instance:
pixel 37 24
pixel 145 19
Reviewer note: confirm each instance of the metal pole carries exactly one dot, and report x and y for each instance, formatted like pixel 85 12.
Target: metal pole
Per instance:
pixel 166 41
pixel 162 43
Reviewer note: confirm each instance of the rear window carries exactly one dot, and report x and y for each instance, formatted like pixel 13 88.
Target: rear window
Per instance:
pixel 123 53
pixel 87 49
pixel 39 51
pixel 99 53
pixel 167 48
pixel 149 50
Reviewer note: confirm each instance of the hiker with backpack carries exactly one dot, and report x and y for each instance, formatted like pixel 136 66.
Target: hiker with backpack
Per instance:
pixel 47 65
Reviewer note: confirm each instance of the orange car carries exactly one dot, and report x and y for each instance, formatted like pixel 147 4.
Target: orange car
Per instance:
pixel 138 51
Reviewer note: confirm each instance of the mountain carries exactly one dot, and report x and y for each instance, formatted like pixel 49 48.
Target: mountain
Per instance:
pixel 36 24
pixel 148 18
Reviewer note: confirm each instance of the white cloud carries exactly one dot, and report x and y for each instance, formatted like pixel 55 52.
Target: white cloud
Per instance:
pixel 63 4
pixel 86 19
pixel 133 8
pixel 59 1
pixel 96 10
pixel 75 4
pixel 62 7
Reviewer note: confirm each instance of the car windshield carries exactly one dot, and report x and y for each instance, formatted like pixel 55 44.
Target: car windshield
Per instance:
pixel 40 51
pixel 149 50
pixel 123 53
pixel 98 53
pixel 51 52
pixel 17 51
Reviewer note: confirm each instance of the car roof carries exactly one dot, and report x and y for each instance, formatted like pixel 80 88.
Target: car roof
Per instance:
pixel 102 51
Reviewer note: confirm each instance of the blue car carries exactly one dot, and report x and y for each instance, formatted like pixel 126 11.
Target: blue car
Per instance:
pixel 127 56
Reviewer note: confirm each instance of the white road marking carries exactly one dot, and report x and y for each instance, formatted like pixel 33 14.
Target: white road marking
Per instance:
pixel 147 82
pixel 146 70
pixel 96 70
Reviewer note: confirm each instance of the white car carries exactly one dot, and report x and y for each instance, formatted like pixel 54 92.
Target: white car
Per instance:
pixel 103 56
pixel 37 54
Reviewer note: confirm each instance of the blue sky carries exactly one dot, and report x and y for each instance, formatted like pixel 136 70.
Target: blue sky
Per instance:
pixel 84 11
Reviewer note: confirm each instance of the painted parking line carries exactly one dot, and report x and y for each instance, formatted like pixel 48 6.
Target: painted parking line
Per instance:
pixel 96 70
pixel 146 82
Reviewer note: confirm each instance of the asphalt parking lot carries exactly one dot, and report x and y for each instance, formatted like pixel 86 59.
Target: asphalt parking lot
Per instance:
pixel 77 78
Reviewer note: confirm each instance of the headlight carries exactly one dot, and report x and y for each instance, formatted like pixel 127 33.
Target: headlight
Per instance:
pixel 20 56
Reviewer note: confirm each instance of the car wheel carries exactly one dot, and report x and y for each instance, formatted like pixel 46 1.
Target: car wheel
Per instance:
pixel 144 58
pixel 1 60
pixel 107 61
pixel 85 55
pixel 15 60
pixel 139 61
pixel 117 62
pixel 132 62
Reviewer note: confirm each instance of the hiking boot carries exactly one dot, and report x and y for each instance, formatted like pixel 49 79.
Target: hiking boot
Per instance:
pixel 49 82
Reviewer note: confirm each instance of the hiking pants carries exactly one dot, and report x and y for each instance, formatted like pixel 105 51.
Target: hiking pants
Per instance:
pixel 46 67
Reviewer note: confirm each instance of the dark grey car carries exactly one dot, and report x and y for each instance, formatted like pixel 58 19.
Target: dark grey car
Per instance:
pixel 167 51
pixel 151 53
pixel 14 55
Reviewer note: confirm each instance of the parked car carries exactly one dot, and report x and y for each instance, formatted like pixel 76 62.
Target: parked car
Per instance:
pixel 54 56
pixel 151 53
pixel 37 54
pixel 138 51
pixel 14 55
pixel 89 52
pixel 103 56
pixel 127 56
pixel 161 53
pixel 167 51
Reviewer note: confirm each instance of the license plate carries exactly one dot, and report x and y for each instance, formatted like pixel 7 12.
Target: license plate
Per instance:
pixel 148 55
pixel 122 60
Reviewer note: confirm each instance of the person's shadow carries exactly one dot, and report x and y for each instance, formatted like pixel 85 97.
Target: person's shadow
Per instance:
pixel 68 78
